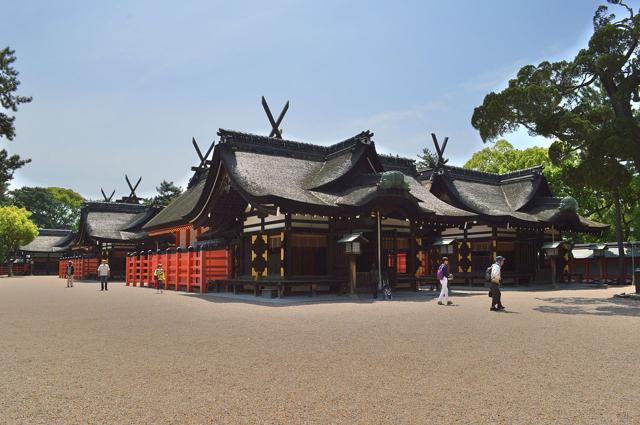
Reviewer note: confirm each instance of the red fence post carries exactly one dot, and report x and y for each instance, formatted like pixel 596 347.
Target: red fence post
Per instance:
pixel 127 269
pixel 189 255
pixel 201 274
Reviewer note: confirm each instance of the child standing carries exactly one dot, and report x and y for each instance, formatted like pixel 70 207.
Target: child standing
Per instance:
pixel 159 274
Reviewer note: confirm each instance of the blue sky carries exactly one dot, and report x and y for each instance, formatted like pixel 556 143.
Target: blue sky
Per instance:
pixel 122 86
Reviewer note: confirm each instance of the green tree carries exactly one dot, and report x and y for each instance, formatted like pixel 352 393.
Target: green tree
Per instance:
pixel 51 207
pixel 9 102
pixel 502 157
pixel 167 193
pixel 589 104
pixel 427 159
pixel 16 229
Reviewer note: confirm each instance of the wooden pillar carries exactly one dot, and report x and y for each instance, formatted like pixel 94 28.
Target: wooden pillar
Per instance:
pixel 259 255
pixel 177 257
pixel 587 275
pixel 394 256
pixel 352 274
pixel 411 260
pixel 202 257
pixel 189 263
pixel 331 248
pixel 283 252
pixel 494 243
pixel 287 246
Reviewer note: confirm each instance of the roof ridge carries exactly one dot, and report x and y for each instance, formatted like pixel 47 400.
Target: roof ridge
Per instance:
pixel 319 152
pixel 115 207
pixel 488 176
pixel 54 232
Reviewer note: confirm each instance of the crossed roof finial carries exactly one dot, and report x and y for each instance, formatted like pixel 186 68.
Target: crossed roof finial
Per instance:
pixel 204 162
pixel 276 131
pixel 132 196
pixel 440 150
pixel 107 198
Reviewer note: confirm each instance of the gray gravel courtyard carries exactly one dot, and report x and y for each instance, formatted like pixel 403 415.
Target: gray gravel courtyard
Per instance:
pixel 130 356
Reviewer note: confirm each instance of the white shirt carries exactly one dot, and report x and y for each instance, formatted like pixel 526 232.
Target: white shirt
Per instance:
pixel 103 270
pixel 495 273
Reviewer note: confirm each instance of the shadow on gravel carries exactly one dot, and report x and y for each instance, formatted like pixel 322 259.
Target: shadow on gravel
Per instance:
pixel 590 306
pixel 297 300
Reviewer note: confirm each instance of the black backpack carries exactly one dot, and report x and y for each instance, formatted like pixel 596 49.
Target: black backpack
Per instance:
pixel 487 273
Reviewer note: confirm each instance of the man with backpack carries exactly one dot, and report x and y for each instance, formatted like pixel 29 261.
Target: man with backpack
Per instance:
pixel 495 276
pixel 443 276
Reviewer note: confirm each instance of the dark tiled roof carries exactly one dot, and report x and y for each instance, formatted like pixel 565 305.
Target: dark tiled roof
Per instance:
pixel 48 240
pixel 281 147
pixel 343 175
pixel 115 221
pixel 523 195
pixel 398 163
pixel 174 213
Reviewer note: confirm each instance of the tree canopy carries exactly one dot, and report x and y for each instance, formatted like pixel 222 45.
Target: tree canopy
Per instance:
pixel 51 207
pixel 502 157
pixel 588 104
pixel 16 229
pixel 167 192
pixel 9 102
pixel 428 158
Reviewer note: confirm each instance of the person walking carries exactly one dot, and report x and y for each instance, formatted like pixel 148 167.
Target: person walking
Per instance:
pixel 443 276
pixel 103 274
pixel 70 270
pixel 159 274
pixel 496 281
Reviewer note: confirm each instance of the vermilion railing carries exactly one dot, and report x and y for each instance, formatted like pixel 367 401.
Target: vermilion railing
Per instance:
pixel 183 270
pixel 83 267
pixel 19 269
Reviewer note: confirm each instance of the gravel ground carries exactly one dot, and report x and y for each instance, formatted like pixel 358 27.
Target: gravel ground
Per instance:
pixel 130 356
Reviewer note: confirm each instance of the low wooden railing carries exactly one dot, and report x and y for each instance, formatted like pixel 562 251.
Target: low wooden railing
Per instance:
pixel 83 267
pixel 184 269
pixel 19 269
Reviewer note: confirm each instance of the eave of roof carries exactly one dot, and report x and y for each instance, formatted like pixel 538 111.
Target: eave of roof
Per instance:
pixel 48 241
pixel 177 211
pixel 113 222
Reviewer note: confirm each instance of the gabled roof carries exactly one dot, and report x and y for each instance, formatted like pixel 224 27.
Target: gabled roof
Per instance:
pixel 300 177
pixel 49 241
pixel 521 196
pixel 176 212
pixel 113 222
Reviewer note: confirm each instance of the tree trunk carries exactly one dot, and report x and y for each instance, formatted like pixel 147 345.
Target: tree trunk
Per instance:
pixel 619 238
pixel 10 264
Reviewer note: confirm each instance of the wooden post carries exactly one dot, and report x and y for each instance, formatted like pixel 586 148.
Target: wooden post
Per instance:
pixel 189 258
pixel 352 274
pixel 465 242
pixel 202 276
pixel 587 275
pixel 411 260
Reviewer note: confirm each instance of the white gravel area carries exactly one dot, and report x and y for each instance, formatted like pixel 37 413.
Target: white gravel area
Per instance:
pixel 130 356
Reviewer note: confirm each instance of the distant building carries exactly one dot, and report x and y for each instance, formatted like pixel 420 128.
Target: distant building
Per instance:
pixel 46 249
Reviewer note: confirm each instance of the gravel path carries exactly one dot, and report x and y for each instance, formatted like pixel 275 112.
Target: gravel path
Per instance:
pixel 130 356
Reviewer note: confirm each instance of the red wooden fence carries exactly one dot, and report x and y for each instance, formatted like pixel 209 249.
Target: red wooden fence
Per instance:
pixel 19 269
pixel 83 268
pixel 182 270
